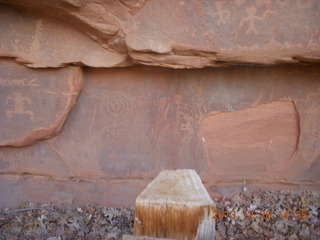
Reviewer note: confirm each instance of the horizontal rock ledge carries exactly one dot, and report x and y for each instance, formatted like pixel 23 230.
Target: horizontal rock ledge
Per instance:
pixel 181 34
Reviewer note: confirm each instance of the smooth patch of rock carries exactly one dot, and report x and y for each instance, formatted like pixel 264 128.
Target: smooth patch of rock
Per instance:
pixel 251 141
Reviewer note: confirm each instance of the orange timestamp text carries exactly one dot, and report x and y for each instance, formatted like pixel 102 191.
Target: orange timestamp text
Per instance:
pixel 299 214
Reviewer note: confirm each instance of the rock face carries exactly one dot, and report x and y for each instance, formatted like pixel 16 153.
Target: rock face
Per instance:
pixel 16 189
pixel 232 124
pixel 39 41
pixel 262 137
pixel 130 123
pixel 217 33
pixel 184 34
pixel 35 104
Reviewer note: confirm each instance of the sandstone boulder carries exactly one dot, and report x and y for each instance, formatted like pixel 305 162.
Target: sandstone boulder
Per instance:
pixel 34 104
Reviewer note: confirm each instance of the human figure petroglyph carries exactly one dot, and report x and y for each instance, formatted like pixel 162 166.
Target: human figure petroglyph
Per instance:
pixel 184 116
pixel 252 17
pixel 19 102
pixel 221 13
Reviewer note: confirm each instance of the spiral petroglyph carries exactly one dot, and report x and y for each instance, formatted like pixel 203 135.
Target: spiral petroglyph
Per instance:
pixel 118 107
pixel 114 114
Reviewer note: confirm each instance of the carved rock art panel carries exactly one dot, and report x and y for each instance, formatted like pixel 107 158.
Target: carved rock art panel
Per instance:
pixel 39 41
pixel 262 138
pixel 222 32
pixel 35 103
pixel 189 33
pixel 132 122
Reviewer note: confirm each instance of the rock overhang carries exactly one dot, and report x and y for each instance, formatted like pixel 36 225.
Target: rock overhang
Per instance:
pixel 179 34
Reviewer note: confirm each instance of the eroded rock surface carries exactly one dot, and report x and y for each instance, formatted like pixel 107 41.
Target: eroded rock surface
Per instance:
pixel 217 33
pixel 182 34
pixel 129 123
pixel 38 40
pixel 35 103
pixel 15 189
pixel 263 138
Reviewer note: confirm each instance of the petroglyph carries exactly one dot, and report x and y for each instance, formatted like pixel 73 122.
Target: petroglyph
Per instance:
pixel 19 103
pixel 34 104
pixel 252 17
pixel 188 115
pixel 185 118
pixel 200 99
pixel 221 13
pixel 117 106
pixel 19 82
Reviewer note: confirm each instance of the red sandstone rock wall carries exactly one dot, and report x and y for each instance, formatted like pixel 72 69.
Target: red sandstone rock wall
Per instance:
pixel 98 135
pixel 35 103
pixel 176 34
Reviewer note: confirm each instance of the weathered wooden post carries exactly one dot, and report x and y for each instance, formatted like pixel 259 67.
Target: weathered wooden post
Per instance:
pixel 175 205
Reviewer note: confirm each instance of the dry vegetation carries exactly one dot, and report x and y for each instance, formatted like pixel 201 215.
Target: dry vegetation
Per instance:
pixel 59 222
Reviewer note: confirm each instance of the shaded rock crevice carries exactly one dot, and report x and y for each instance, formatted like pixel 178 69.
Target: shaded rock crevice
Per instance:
pixel 61 159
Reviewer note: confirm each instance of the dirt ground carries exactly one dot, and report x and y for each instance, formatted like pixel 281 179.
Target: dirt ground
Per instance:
pixel 246 215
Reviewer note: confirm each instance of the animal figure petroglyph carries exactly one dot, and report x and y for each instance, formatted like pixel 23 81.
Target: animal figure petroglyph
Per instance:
pixel 19 102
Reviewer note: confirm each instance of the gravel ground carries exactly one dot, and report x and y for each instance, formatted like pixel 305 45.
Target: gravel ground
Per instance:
pixel 246 215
